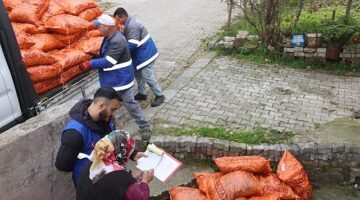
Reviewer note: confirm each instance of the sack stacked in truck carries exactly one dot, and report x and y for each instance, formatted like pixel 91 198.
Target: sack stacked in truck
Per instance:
pixel 249 177
pixel 54 37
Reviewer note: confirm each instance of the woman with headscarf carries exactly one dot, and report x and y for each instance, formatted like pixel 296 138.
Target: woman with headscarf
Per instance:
pixel 107 177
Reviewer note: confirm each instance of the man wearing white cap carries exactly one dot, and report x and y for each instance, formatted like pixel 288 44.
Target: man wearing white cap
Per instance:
pixel 115 68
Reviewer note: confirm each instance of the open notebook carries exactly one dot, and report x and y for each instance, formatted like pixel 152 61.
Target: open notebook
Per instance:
pixel 164 164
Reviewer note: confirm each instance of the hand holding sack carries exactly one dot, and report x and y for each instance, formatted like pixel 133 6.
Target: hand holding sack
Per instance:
pixel 85 66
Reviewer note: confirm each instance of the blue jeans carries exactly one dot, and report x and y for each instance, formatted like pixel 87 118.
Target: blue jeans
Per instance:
pixel 133 107
pixel 145 75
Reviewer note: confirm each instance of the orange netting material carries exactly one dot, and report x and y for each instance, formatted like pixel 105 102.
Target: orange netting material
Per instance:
pixel 292 173
pixel 43 72
pixel 266 197
pixel 53 9
pixel 89 45
pixel 46 42
pixel 271 184
pixel 255 164
pixel 91 13
pixel 36 57
pixel 66 24
pixel 69 74
pixel 27 28
pixel 233 185
pixel 76 7
pixel 202 179
pixel 24 13
pixel 68 58
pixel 24 40
pixel 186 193
pixel 44 86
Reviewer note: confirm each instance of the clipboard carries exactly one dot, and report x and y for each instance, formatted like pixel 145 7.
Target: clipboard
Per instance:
pixel 164 164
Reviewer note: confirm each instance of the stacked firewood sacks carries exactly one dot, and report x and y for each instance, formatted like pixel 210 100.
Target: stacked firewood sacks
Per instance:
pixel 249 177
pixel 55 37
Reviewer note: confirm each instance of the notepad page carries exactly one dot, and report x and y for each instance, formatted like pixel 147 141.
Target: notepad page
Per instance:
pixel 150 162
pixel 166 167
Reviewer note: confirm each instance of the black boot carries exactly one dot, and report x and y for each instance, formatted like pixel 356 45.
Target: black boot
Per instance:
pixel 158 101
pixel 140 97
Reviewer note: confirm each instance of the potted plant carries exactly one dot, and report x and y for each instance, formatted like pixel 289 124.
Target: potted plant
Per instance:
pixel 336 33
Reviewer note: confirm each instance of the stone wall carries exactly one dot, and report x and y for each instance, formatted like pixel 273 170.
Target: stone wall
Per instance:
pixel 27 157
pixel 350 53
pixel 343 156
pixel 28 152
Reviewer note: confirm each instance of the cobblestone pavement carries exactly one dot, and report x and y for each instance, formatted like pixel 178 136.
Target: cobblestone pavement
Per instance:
pixel 244 95
pixel 177 28
pixel 228 92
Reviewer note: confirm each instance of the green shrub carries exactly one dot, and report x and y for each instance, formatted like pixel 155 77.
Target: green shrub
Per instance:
pixel 340 30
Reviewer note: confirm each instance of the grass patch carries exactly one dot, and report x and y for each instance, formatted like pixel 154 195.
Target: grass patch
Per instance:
pixel 255 136
pixel 236 26
pixel 262 56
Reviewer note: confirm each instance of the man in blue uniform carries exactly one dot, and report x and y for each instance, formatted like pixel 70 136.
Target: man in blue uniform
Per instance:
pixel 143 53
pixel 90 121
pixel 115 68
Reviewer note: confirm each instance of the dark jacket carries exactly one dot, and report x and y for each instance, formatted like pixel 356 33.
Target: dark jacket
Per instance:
pixel 73 138
pixel 141 45
pixel 114 64
pixel 116 185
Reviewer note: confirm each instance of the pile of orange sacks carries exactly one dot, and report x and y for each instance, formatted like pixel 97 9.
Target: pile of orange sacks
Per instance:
pixel 249 178
pixel 55 37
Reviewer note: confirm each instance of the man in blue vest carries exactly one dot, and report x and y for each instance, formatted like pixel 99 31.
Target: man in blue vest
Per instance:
pixel 115 68
pixel 90 121
pixel 143 53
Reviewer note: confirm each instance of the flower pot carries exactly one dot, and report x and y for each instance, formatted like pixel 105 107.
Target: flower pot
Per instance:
pixel 333 51
pixel 314 40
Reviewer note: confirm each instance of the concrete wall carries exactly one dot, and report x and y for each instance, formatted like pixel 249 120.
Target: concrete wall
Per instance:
pixel 27 156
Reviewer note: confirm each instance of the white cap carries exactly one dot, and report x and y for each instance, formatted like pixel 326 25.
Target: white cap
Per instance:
pixel 104 20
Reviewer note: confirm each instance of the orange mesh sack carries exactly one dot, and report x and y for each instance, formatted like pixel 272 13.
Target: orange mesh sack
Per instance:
pixel 186 193
pixel 36 57
pixel 69 74
pixel 46 42
pixel 202 179
pixel 44 86
pixel 53 9
pixel 24 40
pixel 91 14
pixel 24 13
pixel 255 164
pixel 66 24
pixel 271 184
pixel 266 197
pixel 233 185
pixel 68 58
pixel 75 7
pixel 292 173
pixel 27 28
pixel 240 198
pixel 89 45
pixel 93 33
pixel 69 39
pixel 43 72
pixel 10 4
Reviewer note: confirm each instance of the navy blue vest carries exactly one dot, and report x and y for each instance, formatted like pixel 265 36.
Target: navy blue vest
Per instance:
pixel 89 140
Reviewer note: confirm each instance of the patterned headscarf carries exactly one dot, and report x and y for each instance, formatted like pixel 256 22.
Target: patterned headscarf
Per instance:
pixel 117 143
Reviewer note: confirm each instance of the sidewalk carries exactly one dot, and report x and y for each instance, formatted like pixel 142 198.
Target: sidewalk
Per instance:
pixel 202 90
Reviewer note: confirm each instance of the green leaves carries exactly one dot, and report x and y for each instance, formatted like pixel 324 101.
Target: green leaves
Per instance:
pixel 340 30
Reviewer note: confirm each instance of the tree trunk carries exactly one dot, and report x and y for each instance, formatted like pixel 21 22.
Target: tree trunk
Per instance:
pixel 348 8
pixel 230 8
pixel 270 21
pixel 298 11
